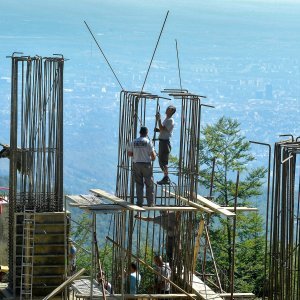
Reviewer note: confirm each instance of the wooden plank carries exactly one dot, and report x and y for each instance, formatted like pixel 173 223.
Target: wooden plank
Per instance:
pixel 204 291
pixel 138 296
pixel 76 199
pixel 215 207
pixel 197 243
pixel 170 208
pixel 117 200
pixel 64 284
pixel 146 208
pixel 82 200
pixel 4 269
pixel 240 208
pixel 103 207
pixel 91 199
pixel 238 295
pixel 193 204
pixel 83 287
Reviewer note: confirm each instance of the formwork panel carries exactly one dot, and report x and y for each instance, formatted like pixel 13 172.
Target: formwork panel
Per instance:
pixel 50 235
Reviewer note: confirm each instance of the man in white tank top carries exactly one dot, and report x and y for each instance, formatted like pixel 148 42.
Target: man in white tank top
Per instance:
pixel 165 133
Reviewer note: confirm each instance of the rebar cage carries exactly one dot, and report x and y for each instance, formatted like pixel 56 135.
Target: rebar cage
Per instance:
pixel 137 240
pixel 283 236
pixel 36 138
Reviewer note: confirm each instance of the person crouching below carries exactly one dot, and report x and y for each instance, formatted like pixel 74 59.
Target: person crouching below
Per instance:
pixel 162 285
pixel 135 278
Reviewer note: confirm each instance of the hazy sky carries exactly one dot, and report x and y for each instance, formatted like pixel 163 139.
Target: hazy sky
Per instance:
pixel 57 26
pixel 221 43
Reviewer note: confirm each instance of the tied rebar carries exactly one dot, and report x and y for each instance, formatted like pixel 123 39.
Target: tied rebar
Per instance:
pixel 170 234
pixel 36 138
pixel 282 265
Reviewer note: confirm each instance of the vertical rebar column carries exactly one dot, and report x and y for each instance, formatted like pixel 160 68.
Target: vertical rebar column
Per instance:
pixel 12 168
pixel 36 141
pixel 188 177
pixel 284 231
pixel 133 110
pixel 189 146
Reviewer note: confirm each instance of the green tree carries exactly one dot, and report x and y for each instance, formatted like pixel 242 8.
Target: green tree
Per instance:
pixel 81 235
pixel 80 232
pixel 224 142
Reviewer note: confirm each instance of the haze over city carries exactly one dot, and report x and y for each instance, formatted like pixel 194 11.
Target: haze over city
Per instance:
pixel 242 55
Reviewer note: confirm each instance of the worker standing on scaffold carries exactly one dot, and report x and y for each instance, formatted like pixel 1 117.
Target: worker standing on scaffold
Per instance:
pixel 165 130
pixel 142 152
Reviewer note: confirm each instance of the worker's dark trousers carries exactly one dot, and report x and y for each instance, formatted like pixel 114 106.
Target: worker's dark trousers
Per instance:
pixel 143 173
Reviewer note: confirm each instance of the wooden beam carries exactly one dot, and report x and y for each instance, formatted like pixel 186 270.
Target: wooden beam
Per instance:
pixel 64 284
pixel 82 200
pixel 170 208
pixel 103 207
pixel 215 207
pixel 238 295
pixel 116 200
pixel 146 208
pixel 204 290
pixel 193 204
pixel 197 243
pixel 138 296
pixel 240 208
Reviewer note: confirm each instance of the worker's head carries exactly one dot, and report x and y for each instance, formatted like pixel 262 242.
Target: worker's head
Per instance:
pixel 144 131
pixel 170 111
pixel 158 260
pixel 133 267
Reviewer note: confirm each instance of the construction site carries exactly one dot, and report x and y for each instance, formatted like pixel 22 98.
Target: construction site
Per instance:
pixel 36 222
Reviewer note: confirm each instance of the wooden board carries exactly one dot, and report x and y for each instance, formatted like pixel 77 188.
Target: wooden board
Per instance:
pixel 215 207
pixel 241 208
pixel 64 284
pixel 197 242
pixel 238 295
pixel 170 208
pixel 137 296
pixel 82 200
pixel 104 207
pixel 83 287
pixel 193 204
pixel 116 200
pixel 204 291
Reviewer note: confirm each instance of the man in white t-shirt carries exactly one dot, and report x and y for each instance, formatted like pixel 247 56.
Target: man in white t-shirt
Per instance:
pixel 142 152
pixel 165 130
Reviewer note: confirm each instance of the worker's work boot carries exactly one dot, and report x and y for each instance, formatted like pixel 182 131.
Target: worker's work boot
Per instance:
pixel 165 180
